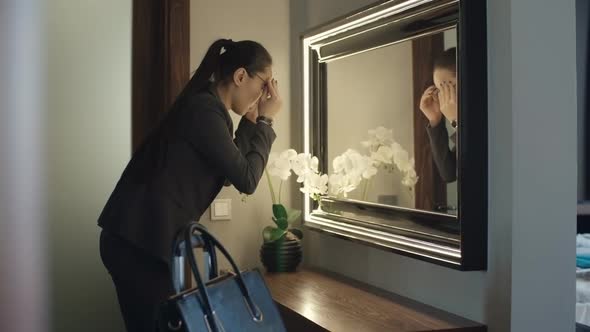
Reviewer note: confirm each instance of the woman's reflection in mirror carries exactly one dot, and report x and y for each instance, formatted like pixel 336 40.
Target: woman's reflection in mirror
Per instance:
pixel 439 102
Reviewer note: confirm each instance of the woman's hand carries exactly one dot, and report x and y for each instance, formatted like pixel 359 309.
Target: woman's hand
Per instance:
pixel 269 105
pixel 252 113
pixel 448 101
pixel 429 105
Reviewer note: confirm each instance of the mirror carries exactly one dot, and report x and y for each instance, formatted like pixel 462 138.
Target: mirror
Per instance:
pixel 386 94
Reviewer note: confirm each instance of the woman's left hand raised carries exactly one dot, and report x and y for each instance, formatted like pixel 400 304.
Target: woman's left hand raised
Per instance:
pixel 448 101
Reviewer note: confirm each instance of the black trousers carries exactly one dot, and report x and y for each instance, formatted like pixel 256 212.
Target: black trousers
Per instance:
pixel 141 280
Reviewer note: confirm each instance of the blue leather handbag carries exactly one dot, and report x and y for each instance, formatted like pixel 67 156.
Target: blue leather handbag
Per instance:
pixel 238 302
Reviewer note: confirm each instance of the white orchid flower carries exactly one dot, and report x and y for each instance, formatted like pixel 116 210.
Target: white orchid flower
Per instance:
pixel 341 184
pixel 289 154
pixel 410 178
pixel 369 169
pixel 383 155
pixel 280 165
pixel 401 157
pixel 354 164
pixel 304 164
pixel 382 134
pixel 315 184
pixel 378 137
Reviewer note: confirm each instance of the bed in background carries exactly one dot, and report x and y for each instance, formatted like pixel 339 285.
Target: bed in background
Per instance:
pixel 583 269
pixel 583 299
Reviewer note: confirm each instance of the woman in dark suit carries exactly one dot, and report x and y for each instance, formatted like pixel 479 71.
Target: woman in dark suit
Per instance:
pixel 180 168
pixel 437 103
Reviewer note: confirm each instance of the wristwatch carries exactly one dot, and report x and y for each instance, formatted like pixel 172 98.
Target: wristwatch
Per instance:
pixel 264 119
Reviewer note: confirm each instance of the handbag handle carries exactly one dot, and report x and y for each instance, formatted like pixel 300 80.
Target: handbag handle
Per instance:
pixel 178 249
pixel 211 318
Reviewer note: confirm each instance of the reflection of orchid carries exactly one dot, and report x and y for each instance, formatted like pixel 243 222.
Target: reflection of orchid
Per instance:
pixel 386 153
pixel 411 178
pixel 378 137
pixel 383 155
pixel 402 160
pixel 342 184
pixel 350 168
pixel 354 164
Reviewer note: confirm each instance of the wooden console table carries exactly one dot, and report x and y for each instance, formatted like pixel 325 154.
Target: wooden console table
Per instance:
pixel 313 300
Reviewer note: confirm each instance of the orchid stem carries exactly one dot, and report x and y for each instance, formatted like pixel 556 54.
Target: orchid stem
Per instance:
pixel 272 191
pixel 365 189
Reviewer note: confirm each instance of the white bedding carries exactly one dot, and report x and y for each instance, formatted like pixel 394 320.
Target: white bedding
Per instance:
pixel 583 282
pixel 583 296
pixel 583 313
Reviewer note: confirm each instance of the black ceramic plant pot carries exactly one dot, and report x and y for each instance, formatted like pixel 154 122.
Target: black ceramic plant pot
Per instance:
pixel 283 255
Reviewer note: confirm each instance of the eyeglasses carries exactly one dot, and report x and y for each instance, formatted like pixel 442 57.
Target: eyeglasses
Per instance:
pixel 260 77
pixel 263 81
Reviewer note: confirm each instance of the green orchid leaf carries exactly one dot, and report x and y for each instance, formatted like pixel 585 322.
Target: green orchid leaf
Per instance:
pixel 271 234
pixel 279 211
pixel 297 232
pixel 282 223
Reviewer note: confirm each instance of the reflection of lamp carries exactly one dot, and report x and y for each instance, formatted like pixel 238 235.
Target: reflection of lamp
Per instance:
pixel 310 309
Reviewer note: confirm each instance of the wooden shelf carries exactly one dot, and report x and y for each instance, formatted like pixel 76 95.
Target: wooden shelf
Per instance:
pixel 315 300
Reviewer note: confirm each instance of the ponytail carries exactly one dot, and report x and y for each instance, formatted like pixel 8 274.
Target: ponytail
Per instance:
pixel 206 70
pixel 222 59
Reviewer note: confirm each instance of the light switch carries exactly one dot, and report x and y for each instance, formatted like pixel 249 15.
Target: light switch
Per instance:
pixel 221 209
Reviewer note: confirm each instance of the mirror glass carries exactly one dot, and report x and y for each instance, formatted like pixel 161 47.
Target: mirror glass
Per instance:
pixel 392 124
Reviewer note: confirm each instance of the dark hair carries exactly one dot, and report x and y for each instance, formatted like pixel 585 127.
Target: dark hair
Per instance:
pixel 447 60
pixel 223 58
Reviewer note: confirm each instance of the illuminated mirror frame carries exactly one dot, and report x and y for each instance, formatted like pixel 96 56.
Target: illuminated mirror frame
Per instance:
pixel 379 25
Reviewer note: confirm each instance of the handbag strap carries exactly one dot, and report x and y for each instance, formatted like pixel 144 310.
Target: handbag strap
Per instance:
pixel 178 250
pixel 254 310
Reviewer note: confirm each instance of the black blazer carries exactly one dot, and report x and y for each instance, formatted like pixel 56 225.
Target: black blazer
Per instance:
pixel 180 168
pixel 444 158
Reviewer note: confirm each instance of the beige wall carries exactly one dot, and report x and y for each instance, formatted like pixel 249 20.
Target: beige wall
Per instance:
pixel 87 147
pixel 266 22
